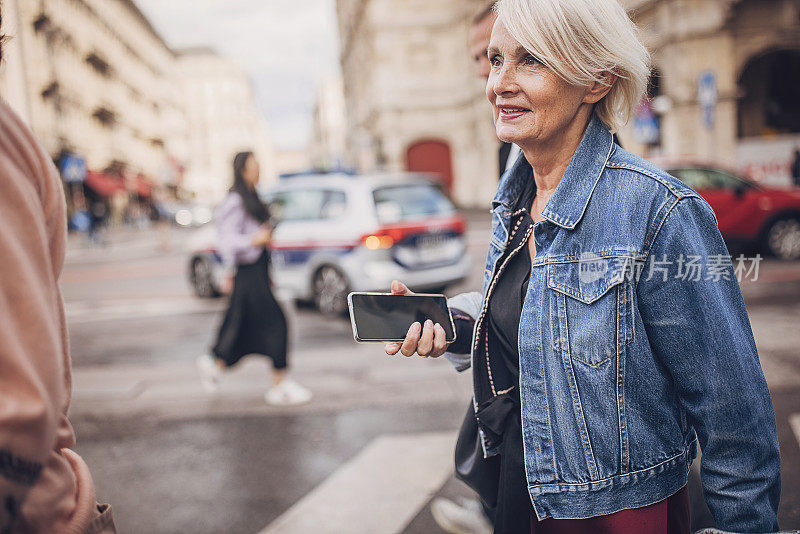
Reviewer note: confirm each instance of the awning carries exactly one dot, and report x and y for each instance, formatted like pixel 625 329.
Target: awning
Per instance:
pixel 144 188
pixel 104 184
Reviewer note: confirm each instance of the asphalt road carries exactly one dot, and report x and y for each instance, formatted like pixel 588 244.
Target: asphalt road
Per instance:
pixel 367 455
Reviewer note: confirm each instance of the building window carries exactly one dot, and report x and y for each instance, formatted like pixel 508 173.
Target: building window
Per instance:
pixel 42 23
pixel 768 103
pixel 105 116
pixel 50 90
pixel 99 64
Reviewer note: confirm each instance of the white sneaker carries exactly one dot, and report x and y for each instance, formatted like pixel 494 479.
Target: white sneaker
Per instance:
pixel 209 372
pixel 464 518
pixel 287 393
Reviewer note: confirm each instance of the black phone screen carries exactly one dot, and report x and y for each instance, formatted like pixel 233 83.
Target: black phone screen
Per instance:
pixel 386 317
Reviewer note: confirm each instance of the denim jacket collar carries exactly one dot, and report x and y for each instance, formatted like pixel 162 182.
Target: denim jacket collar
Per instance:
pixel 565 208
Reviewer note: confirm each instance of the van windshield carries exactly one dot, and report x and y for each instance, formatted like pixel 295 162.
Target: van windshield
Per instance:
pixel 412 201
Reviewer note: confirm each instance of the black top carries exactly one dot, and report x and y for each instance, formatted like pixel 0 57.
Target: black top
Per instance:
pixel 499 417
pixel 502 156
pixel 505 304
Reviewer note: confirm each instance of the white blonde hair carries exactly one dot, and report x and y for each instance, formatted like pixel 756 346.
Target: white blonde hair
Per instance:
pixel 580 41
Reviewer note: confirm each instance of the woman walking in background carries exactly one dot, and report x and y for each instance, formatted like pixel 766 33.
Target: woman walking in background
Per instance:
pixel 254 322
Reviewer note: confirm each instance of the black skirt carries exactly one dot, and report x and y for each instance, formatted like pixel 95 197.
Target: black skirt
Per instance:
pixel 254 322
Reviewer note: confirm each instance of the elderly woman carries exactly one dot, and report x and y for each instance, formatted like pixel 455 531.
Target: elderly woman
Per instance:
pixel 600 359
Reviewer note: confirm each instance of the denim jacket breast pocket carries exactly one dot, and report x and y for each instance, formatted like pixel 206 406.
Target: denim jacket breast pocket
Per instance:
pixel 591 314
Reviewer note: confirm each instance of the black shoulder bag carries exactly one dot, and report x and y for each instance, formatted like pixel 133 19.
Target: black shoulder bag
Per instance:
pixel 479 473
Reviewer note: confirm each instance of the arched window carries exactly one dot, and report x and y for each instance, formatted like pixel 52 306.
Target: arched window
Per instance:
pixel 768 102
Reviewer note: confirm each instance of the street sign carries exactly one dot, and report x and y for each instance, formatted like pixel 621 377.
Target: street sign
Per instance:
pixel 73 169
pixel 645 124
pixel 707 96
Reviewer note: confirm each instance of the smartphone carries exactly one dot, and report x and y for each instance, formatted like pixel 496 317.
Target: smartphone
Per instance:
pixel 386 317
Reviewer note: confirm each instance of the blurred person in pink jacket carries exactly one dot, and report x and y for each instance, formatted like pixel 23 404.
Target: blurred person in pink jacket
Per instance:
pixel 44 486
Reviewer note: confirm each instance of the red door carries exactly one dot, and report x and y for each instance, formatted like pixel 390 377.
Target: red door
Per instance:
pixel 431 157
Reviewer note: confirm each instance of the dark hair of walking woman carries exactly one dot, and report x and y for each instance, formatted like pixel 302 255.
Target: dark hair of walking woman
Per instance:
pixel 252 203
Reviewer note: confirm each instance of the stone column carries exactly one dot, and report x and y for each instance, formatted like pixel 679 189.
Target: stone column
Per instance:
pixel 698 42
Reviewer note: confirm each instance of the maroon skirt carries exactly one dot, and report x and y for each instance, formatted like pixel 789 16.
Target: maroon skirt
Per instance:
pixel 670 516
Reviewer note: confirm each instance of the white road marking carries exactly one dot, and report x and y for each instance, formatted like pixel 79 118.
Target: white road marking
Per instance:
pixel 380 490
pixel 794 422
pixel 88 312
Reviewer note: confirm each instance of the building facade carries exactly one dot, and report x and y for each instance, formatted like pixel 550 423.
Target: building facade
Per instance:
pixel 92 78
pixel 327 147
pixel 95 81
pixel 412 99
pixel 222 118
pixel 724 71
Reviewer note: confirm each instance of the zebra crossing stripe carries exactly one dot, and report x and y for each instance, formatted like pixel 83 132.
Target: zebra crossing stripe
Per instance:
pixel 380 490
pixel 794 422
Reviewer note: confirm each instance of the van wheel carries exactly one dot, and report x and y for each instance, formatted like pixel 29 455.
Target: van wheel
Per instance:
pixel 330 291
pixel 203 279
pixel 782 239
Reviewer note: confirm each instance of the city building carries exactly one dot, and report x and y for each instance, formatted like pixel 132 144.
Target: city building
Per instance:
pixel 293 160
pixel 223 119
pixel 723 88
pixel 327 146
pixel 412 99
pixel 119 110
pixel 92 78
pixel 726 73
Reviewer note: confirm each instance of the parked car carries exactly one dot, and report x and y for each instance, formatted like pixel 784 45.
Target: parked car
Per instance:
pixel 208 276
pixel 749 214
pixel 340 233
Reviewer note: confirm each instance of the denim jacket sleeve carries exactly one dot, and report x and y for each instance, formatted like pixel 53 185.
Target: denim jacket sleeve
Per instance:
pixel 700 331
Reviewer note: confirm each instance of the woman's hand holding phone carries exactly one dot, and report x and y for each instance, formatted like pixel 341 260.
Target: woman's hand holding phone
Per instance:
pixel 427 340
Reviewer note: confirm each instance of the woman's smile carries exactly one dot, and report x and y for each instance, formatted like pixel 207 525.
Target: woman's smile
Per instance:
pixel 510 113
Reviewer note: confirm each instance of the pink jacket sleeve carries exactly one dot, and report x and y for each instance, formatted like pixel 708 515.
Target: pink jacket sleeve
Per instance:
pixel 32 388
pixel 44 487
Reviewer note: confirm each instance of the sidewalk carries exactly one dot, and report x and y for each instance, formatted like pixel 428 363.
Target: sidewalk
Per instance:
pixel 126 242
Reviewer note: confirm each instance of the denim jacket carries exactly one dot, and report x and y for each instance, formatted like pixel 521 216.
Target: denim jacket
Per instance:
pixel 635 347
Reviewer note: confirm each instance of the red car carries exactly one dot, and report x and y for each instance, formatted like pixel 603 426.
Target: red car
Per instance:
pixel 748 214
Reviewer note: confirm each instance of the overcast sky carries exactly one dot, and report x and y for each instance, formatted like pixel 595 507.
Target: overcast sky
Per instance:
pixel 286 46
